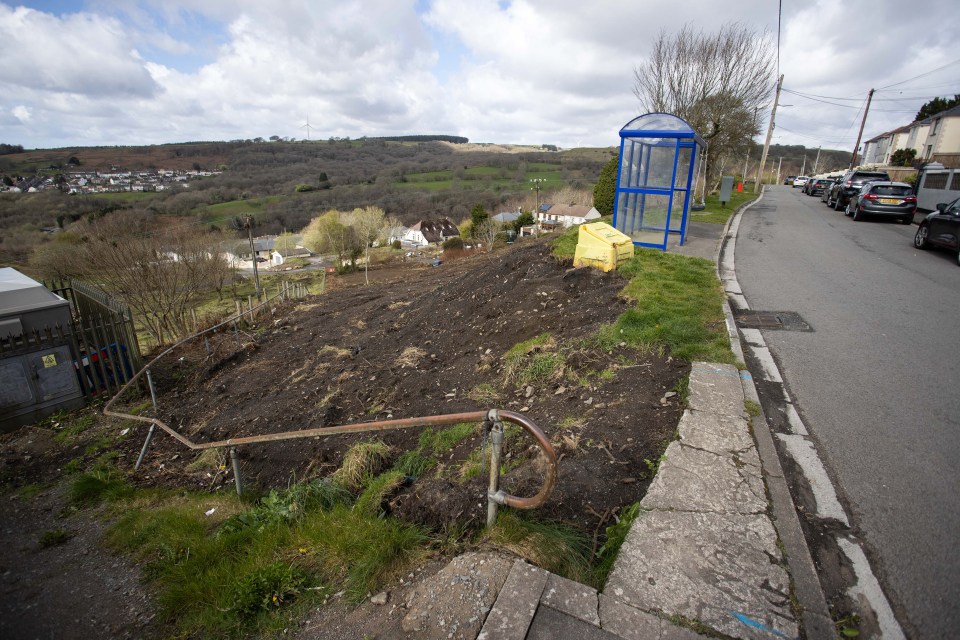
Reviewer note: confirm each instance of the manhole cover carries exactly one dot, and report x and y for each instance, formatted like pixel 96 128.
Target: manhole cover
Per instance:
pixel 783 320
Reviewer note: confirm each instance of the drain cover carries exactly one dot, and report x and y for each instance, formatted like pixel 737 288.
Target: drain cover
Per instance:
pixel 783 320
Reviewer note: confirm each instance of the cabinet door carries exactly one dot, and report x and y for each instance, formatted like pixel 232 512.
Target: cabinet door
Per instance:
pixel 55 373
pixel 15 388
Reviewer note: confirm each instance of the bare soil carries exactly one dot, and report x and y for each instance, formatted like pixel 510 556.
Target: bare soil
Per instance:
pixel 340 359
pixel 345 357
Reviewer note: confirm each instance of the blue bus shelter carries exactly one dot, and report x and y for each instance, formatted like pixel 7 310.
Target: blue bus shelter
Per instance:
pixel 658 154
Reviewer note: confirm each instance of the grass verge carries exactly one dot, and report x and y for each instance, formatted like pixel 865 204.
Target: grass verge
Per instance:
pixel 222 567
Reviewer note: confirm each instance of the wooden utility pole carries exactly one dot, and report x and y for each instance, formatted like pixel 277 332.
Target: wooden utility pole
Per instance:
pixel 248 225
pixel 766 145
pixel 856 147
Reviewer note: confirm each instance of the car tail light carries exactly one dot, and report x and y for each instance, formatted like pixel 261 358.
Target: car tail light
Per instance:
pixel 910 199
pixel 870 196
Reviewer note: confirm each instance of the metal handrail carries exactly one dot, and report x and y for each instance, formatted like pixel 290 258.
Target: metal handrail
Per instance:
pixel 493 418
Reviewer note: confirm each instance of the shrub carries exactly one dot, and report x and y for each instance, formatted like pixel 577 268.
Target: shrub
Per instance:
pixel 454 243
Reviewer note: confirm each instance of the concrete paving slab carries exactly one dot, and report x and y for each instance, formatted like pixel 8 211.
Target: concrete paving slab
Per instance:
pixel 631 623
pixel 697 480
pixel 721 569
pixel 715 388
pixel 516 605
pixel 550 624
pixel 572 598
pixel 713 432
pixel 454 603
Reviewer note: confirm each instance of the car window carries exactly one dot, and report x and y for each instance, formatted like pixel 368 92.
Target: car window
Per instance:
pixel 892 190
pixel 954 207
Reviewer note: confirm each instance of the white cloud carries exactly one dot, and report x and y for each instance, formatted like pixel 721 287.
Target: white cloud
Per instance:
pixel 529 71
pixel 21 113
pixel 79 53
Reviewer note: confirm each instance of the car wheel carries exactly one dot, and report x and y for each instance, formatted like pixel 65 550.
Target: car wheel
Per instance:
pixel 836 204
pixel 920 241
pixel 857 214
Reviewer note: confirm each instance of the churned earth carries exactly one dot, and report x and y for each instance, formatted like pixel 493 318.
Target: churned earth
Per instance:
pixel 515 329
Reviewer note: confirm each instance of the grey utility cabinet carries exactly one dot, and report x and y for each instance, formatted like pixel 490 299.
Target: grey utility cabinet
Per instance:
pixel 37 372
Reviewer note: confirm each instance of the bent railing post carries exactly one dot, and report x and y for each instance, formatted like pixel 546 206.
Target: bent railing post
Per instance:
pixel 143 451
pixel 235 462
pixel 496 448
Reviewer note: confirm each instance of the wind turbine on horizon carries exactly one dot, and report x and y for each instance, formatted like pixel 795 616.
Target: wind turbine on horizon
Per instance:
pixel 307 127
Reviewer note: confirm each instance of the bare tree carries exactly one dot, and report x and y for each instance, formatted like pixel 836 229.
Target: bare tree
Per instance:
pixel 370 223
pixel 158 271
pixel 486 232
pixel 720 83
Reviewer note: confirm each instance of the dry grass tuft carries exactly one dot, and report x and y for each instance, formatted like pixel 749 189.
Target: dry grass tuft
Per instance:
pixel 363 461
pixel 410 357
pixel 336 351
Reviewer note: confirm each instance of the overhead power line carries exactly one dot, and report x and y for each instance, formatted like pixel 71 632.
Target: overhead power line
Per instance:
pixel 922 75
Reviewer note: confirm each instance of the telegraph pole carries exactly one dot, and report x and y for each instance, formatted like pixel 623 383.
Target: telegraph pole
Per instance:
pixel 779 166
pixel 248 225
pixel 816 162
pixel 766 145
pixel 853 158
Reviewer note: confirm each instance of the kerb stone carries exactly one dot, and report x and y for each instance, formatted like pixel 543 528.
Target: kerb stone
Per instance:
pixel 721 569
pixel 695 480
pixel 715 388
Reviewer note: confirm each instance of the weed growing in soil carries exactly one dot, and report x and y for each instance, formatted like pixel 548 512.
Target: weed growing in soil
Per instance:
pixel 557 547
pixel 413 464
pixel 378 489
pixel 71 430
pixel 101 485
pixel 441 442
pixel 54 537
pixel 752 408
pixel 484 394
pixel 616 534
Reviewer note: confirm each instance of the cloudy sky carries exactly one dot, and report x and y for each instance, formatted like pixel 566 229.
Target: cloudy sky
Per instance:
pixel 105 72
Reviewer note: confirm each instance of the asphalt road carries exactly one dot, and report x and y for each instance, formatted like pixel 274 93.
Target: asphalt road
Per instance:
pixel 877 383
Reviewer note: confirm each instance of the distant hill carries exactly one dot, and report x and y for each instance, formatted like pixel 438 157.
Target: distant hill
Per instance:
pixel 793 159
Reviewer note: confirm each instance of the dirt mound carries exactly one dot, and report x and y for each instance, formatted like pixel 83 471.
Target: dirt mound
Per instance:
pixel 433 342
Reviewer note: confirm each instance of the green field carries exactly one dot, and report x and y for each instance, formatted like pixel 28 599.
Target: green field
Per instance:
pixel 485 177
pixel 218 213
pixel 123 196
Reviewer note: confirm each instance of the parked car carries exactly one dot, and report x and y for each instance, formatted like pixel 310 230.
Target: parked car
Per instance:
pixel 788 179
pixel 826 189
pixel 884 199
pixel 815 187
pixel 941 229
pixel 799 181
pixel 850 184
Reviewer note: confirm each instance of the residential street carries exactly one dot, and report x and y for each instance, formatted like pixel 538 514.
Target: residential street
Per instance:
pixel 875 382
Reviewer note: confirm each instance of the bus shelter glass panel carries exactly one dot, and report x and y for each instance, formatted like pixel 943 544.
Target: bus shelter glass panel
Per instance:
pixel 658 152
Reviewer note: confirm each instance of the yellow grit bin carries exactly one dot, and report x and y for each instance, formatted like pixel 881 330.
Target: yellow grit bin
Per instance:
pixel 600 245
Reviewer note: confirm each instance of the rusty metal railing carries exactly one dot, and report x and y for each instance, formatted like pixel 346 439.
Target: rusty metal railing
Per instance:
pixel 493 419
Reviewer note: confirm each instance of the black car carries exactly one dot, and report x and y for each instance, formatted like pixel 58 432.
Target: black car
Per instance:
pixel 816 187
pixel 850 184
pixel 941 229
pixel 884 199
